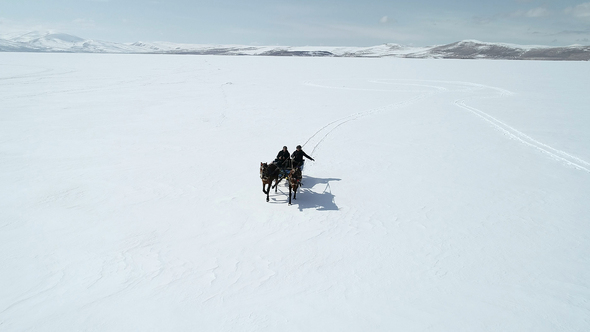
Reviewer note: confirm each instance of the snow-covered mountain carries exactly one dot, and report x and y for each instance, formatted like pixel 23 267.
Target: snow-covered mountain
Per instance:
pixel 473 49
pixel 61 42
pixel 468 49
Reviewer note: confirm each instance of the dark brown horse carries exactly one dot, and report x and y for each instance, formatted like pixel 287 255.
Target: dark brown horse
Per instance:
pixel 294 178
pixel 268 173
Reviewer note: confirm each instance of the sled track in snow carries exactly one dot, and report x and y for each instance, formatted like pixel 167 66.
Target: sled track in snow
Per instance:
pixel 513 133
pixel 319 136
pixel 435 88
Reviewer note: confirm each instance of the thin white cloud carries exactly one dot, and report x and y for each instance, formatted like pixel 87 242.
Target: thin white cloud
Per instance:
pixel 297 10
pixel 84 22
pixel 580 11
pixel 12 29
pixel 538 12
pixel 342 32
pixel 384 19
pixel 532 13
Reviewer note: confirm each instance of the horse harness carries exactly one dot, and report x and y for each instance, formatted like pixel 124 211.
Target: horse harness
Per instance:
pixel 264 173
pixel 295 175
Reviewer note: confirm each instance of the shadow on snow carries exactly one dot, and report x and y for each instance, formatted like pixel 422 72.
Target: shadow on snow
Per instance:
pixel 307 197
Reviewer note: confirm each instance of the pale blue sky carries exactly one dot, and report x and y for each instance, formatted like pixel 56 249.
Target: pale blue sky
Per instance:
pixel 306 22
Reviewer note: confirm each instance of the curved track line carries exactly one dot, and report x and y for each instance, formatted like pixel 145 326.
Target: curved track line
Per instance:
pixel 513 133
pixel 44 73
pixel 319 136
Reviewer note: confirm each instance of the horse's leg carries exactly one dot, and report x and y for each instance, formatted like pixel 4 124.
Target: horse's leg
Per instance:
pixel 295 191
pixel 289 193
pixel 278 180
pixel 263 184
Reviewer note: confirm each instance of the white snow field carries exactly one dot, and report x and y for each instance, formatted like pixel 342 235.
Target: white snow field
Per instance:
pixel 446 195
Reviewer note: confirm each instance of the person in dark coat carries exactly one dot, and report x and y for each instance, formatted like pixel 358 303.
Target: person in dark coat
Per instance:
pixel 297 157
pixel 283 158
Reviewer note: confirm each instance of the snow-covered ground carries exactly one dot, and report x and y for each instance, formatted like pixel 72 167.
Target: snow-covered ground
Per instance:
pixel 446 195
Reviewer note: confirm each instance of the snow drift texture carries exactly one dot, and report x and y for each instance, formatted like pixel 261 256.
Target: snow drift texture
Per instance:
pixel 445 196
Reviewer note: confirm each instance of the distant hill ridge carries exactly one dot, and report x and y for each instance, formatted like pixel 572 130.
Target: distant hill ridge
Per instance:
pixel 467 49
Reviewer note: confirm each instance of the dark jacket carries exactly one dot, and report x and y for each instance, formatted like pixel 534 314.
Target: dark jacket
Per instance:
pixel 298 156
pixel 283 155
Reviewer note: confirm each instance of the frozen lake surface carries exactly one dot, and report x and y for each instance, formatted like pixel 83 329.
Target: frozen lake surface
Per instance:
pixel 446 195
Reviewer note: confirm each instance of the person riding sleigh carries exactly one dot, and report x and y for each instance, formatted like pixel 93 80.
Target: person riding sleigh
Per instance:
pixel 297 157
pixel 283 160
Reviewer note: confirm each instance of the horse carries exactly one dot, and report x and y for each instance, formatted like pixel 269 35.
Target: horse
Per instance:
pixel 268 173
pixel 294 178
